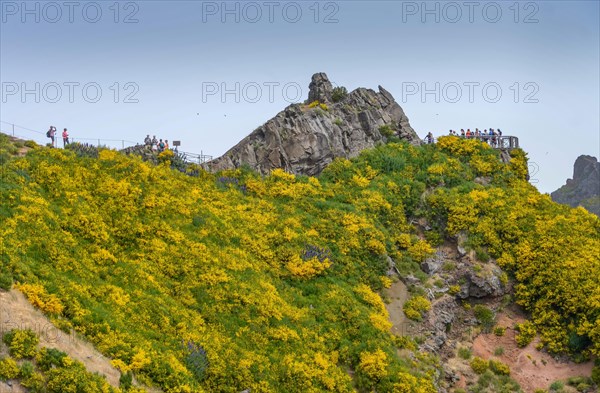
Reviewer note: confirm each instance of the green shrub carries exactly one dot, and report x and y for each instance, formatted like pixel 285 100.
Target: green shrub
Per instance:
pixel 9 369
pixel 26 369
pixel 386 131
pixel 439 283
pixel 596 374
pixel 582 384
pixel 557 386
pixel 499 331
pixel 30 144
pixel 499 351
pixel 482 255
pixel 21 343
pixel 485 316
pixel 338 122
pixel 465 353
pixel 6 280
pixel 196 360
pixel 35 383
pixel 126 381
pixel 449 266
pixel 47 358
pixel 479 365
pixel 339 93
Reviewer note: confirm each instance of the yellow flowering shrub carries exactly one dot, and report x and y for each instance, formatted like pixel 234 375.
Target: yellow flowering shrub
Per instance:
pixel 21 343
pixel 526 333
pixel 420 250
pixel 9 369
pixel 386 282
pixel 479 365
pixel 38 296
pixel 381 322
pixel 373 364
pixel 411 384
pixel 415 307
pixel 307 269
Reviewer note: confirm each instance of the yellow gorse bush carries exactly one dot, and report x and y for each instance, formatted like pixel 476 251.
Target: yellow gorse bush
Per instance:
pixel 235 281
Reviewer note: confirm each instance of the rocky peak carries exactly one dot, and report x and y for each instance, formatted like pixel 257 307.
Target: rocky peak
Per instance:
pixel 320 89
pixel 584 188
pixel 586 168
pixel 303 140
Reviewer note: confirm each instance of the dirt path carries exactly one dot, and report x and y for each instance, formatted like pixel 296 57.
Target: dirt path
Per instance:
pixel 531 368
pixel 398 294
pixel 17 313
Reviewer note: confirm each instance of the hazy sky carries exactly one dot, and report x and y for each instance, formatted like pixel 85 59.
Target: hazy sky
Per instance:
pixel 208 73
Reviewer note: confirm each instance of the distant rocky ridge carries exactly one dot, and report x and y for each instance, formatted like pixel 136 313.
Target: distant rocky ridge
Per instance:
pixel 303 140
pixel 584 188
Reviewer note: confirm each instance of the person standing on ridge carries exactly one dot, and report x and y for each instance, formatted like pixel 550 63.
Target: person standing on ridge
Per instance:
pixel 50 134
pixel 148 141
pixel 65 136
pixel 429 138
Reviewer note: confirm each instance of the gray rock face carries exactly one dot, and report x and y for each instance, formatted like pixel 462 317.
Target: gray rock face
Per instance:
pixel 320 89
pixel 441 316
pixel 584 188
pixel 482 286
pixel 303 140
pixel 433 264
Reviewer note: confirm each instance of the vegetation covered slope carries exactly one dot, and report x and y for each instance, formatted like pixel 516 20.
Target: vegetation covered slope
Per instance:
pixel 233 281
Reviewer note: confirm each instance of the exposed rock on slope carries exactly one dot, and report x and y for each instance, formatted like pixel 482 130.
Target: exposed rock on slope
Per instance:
pixel 303 140
pixel 584 188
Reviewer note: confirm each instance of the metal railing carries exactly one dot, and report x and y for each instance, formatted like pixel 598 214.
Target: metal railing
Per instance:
pixel 41 139
pixel 113 143
pixel 23 132
pixel 193 158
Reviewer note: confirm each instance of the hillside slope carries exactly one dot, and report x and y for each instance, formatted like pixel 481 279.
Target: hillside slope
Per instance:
pixel 234 281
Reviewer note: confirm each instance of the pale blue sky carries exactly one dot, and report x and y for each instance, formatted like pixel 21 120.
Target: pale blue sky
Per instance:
pixel 174 48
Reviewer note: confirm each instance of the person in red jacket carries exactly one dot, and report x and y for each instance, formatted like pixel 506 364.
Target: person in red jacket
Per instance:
pixel 65 136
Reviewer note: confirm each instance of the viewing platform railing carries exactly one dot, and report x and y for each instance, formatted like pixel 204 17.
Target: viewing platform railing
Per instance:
pixel 194 158
pixel 497 142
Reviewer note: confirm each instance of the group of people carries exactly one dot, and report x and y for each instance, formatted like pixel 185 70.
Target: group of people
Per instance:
pixel 491 136
pixel 156 144
pixel 51 133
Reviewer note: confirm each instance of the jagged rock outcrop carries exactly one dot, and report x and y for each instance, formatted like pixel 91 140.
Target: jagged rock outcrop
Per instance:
pixel 320 89
pixel 304 140
pixel 440 317
pixel 432 264
pixel 483 285
pixel 584 188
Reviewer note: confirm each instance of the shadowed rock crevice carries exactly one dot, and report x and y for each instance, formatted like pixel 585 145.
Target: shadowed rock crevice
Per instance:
pixel 303 140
